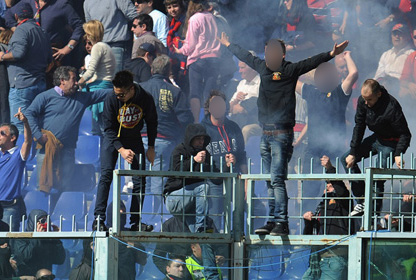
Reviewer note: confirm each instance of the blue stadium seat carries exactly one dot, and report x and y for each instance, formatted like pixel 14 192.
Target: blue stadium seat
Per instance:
pixel 84 179
pixel 37 200
pixel 69 204
pixel 253 152
pixel 88 150
pixel 86 124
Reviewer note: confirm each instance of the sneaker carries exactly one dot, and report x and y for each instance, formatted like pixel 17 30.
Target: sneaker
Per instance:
pixel 100 227
pixel 266 229
pixel 280 229
pixel 205 230
pixel 143 227
pixel 358 210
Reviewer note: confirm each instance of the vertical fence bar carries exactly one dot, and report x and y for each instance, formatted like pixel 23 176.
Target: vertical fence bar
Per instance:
pixel 368 203
pixel 116 202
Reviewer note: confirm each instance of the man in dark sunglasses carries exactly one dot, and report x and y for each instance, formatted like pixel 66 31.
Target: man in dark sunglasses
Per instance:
pixel 12 163
pixel 44 274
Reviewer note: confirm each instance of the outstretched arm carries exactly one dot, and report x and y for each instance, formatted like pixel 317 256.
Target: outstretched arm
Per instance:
pixel 352 74
pixel 27 143
pixel 338 48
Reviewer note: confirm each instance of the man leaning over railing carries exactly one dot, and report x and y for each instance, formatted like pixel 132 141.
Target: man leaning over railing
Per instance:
pixel 329 263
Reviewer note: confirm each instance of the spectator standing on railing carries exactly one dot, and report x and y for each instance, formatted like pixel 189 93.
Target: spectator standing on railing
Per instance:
pixel 330 263
pixel 26 64
pixel 160 20
pixel 276 104
pixel 383 115
pixel 174 115
pixel 226 142
pixel 142 30
pixel 12 164
pixel 55 116
pixel 125 112
pixel 189 196
pixel 32 254
pixel 115 15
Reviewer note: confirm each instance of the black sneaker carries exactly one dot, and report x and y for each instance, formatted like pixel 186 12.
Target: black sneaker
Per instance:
pixel 101 227
pixel 205 230
pixel 280 229
pixel 266 229
pixel 143 227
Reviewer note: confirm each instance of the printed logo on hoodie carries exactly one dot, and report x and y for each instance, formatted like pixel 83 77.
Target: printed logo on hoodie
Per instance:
pixel 129 116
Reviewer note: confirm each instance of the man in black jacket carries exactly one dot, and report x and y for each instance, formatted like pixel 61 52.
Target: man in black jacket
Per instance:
pixel 330 263
pixel 124 114
pixel 276 104
pixel 383 115
pixel 190 196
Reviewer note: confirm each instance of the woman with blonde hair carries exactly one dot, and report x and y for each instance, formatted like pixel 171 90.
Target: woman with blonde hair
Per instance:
pixel 100 69
pixel 203 51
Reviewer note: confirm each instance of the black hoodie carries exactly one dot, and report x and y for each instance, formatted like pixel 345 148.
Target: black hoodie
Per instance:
pixel 186 150
pixel 33 254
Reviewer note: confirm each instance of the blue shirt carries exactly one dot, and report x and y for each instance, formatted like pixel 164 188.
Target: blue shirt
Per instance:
pixel 11 174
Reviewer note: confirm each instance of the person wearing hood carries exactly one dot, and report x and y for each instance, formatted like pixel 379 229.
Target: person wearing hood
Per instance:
pixel 190 195
pixel 33 254
pixel 227 142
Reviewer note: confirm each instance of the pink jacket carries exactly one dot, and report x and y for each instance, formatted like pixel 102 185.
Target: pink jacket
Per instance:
pixel 201 38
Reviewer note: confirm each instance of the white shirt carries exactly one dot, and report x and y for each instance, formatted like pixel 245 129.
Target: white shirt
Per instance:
pixel 391 62
pixel 251 88
pixel 160 25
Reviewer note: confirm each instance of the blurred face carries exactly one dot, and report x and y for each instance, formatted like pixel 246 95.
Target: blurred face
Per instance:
pixel 369 97
pixel 414 37
pixel 5 138
pixel 176 269
pixel 198 142
pixel 246 72
pixel 288 4
pixel 143 8
pixel 138 28
pixel 69 86
pixel 273 54
pixel 398 39
pixel 174 10
pixel 124 94
pixel 326 77
pixel 341 66
pixel 217 107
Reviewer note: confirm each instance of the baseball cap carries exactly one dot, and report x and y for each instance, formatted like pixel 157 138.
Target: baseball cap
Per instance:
pixel 24 11
pixel 400 27
pixel 148 48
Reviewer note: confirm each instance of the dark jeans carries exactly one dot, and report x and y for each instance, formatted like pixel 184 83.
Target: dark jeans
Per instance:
pixel 109 157
pixel 382 150
pixel 15 209
pixel 276 152
pixel 202 77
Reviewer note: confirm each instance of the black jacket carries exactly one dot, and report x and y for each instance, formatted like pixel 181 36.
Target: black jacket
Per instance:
pixel 140 108
pixel 139 68
pixel 277 99
pixel 334 207
pixel 385 119
pixel 172 106
pixel 33 254
pixel 186 151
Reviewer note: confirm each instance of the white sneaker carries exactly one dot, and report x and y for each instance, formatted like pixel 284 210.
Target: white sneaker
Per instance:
pixel 128 188
pixel 358 210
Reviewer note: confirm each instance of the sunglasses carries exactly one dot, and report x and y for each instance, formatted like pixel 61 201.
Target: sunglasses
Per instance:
pixel 135 25
pixel 3 133
pixel 88 43
pixel 123 94
pixel 47 277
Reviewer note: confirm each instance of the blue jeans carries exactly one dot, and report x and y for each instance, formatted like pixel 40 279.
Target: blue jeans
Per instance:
pixel 276 152
pixel 333 268
pixel 23 97
pixel 16 210
pixel 189 200
pixel 164 148
pixel 370 144
pixel 216 204
pixel 119 56
pixel 66 167
pixel 208 260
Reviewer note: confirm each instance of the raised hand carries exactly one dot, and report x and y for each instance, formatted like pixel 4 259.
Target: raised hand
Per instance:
pixel 338 48
pixel 225 40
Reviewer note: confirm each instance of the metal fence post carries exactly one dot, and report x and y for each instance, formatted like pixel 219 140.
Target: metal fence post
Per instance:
pixel 368 199
pixel 106 259
pixel 355 252
pixel 116 202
